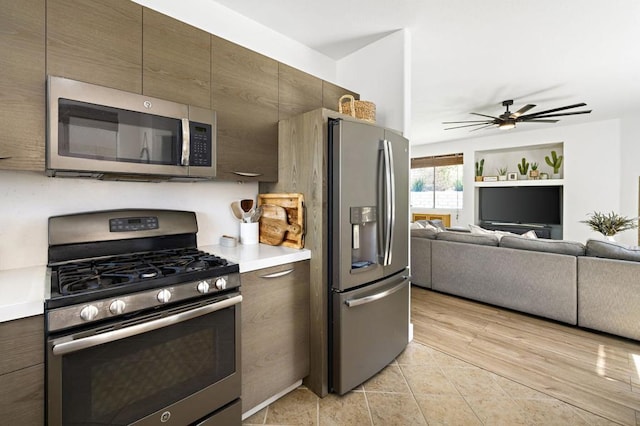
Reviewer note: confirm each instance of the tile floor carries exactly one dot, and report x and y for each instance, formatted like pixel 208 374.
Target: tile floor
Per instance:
pixel 426 387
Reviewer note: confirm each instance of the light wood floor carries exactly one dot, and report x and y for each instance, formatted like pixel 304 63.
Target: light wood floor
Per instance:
pixel 596 372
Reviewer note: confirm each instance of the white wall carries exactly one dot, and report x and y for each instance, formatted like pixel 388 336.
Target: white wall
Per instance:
pixel 595 175
pixel 27 200
pixel 380 73
pixel 630 166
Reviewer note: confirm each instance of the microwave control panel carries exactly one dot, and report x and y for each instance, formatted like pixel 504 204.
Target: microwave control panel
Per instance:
pixel 200 145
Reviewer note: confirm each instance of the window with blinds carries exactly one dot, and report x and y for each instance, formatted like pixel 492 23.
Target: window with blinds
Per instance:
pixel 436 181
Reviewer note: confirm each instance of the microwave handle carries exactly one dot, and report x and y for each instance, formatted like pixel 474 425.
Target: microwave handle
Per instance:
pixel 186 142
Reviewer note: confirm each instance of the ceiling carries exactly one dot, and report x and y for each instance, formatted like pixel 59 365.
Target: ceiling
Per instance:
pixel 470 55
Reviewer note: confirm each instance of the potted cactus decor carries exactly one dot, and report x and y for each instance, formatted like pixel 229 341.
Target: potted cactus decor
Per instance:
pixel 554 162
pixel 479 169
pixel 523 168
pixel 502 173
pixel 534 173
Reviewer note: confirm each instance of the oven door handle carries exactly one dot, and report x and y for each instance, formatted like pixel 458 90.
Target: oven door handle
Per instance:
pixel 110 336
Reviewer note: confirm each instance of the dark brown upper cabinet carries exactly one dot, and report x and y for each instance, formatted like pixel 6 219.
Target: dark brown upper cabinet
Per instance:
pixel 22 84
pixel 96 41
pixel 244 92
pixel 176 60
pixel 332 93
pixel 299 92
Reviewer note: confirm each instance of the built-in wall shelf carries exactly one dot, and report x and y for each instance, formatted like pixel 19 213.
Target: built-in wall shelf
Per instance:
pixel 509 158
pixel 529 182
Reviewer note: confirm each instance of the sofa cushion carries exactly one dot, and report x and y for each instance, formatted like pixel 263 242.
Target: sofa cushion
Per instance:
pixel 612 250
pixel 464 237
pixel 571 248
pixel 429 233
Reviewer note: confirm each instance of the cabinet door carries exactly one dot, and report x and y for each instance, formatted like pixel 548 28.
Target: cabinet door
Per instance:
pixel 22 84
pixel 21 343
pixel 96 41
pixel 22 371
pixel 177 60
pixel 22 397
pixel 331 94
pixel 299 92
pixel 245 98
pixel 275 331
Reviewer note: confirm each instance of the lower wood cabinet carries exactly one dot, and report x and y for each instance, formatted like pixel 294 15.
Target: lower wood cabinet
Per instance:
pixel 22 372
pixel 275 331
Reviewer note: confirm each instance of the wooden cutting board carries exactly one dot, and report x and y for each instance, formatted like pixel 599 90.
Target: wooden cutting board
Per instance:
pixel 273 231
pixel 287 207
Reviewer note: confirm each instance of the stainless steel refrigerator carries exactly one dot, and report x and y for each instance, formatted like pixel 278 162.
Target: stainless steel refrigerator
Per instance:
pixel 368 259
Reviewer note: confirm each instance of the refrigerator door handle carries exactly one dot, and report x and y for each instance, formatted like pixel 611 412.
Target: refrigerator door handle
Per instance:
pixel 390 204
pixel 368 299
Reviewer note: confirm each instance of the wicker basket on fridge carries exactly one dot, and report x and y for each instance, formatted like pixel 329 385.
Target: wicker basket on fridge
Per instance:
pixel 364 110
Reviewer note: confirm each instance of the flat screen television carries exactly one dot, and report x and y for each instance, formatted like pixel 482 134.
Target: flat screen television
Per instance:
pixel 521 204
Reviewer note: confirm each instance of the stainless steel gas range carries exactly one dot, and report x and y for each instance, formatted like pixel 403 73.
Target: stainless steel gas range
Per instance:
pixel 142 327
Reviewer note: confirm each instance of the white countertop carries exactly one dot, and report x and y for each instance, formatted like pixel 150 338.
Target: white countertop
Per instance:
pixel 258 256
pixel 23 290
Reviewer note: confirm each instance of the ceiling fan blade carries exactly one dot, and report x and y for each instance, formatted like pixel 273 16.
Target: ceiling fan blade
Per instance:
pixel 490 116
pixel 521 111
pixel 466 121
pixel 470 125
pixel 554 110
pixel 483 127
pixel 540 121
pixel 530 117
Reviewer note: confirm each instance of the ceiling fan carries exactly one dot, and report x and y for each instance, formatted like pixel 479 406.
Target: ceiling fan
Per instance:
pixel 509 119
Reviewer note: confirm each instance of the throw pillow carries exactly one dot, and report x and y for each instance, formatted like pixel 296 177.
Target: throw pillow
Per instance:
pixel 425 224
pixel 475 229
pixel 416 225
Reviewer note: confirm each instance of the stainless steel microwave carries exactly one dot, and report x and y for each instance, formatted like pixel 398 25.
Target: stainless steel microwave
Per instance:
pixel 105 133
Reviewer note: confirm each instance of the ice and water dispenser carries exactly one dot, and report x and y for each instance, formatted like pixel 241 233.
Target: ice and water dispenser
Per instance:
pixel 364 244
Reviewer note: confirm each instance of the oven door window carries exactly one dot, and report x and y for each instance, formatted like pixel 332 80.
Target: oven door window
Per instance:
pixel 105 133
pixel 119 382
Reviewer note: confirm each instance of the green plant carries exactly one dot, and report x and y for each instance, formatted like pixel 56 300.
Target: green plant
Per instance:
pixel 418 185
pixel 555 162
pixel 534 166
pixel 610 224
pixel 479 167
pixel 502 171
pixel 457 185
pixel 523 167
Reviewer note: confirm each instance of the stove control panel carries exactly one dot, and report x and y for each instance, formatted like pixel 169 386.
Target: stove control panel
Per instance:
pixel 68 316
pixel 128 224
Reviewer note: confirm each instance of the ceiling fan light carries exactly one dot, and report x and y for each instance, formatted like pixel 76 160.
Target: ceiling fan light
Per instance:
pixel 506 125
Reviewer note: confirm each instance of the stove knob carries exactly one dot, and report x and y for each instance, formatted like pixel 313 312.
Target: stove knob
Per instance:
pixel 203 287
pixel 117 307
pixel 164 296
pixel 89 312
pixel 221 283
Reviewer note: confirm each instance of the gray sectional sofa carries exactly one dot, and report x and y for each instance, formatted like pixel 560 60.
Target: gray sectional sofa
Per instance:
pixel 596 285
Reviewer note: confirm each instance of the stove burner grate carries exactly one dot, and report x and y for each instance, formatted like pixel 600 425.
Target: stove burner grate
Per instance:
pixel 97 274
